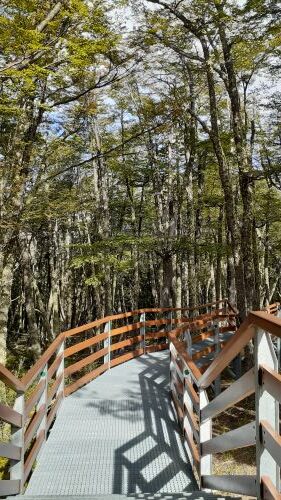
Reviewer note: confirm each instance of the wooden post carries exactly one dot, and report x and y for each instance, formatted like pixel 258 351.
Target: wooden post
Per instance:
pixel 142 331
pixel 205 433
pixel 17 439
pixel 217 350
pixel 267 408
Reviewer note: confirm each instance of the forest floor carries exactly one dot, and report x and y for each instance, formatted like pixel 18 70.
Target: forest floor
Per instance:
pixel 243 460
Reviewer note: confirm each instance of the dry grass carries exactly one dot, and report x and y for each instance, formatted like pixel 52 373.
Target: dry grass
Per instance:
pixel 243 460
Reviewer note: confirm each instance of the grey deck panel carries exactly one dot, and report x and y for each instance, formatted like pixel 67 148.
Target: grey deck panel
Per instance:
pixel 196 495
pixel 116 435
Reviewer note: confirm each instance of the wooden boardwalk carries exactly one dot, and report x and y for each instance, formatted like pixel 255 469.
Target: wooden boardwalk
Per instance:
pixel 102 424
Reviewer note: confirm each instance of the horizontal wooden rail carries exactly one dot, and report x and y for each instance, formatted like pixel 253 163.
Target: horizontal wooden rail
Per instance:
pixel 192 394
pixel 33 454
pixel 10 416
pixel 178 386
pixel 237 391
pixel 75 367
pixel 34 397
pixel 126 343
pixel 85 344
pixel 10 380
pixel 267 322
pixel 54 366
pixel 232 348
pixel 107 319
pixel 33 426
pixel 202 336
pixel 272 308
pixel 126 329
pixel 204 352
pixel 269 492
pixel 193 448
pixel 184 356
pixel 85 379
pixel 52 391
pixel 54 410
pixel 156 335
pixel 176 366
pixel 156 347
pixel 35 370
pixel 192 419
pixel 177 402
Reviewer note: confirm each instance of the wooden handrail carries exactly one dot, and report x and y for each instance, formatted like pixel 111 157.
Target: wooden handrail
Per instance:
pixel 189 382
pixel 231 349
pixel 34 371
pixel 237 342
pixel 21 385
pixel 184 356
pixel 11 380
pixel 267 322
pixel 261 379
pixel 269 492
pixel 106 319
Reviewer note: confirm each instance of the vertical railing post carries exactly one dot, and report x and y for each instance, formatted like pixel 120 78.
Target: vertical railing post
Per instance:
pixel 187 403
pixel 217 350
pixel 142 331
pixel 43 401
pixel 60 370
pixel 171 365
pixel 17 439
pixel 188 341
pixel 107 343
pixel 170 325
pixel 205 433
pixel 237 362
pixel 267 408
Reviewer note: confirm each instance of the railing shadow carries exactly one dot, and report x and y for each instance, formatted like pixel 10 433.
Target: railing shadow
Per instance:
pixel 154 459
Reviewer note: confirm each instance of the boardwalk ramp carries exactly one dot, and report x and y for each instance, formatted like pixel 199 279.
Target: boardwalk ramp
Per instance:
pixel 123 408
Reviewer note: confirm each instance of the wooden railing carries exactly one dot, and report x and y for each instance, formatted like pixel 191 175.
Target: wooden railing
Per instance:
pixel 80 355
pixel 191 392
pixel 75 358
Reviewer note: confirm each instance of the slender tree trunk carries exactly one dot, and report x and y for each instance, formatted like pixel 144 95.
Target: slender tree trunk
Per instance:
pixel 218 274
pixel 5 288
pixel 231 216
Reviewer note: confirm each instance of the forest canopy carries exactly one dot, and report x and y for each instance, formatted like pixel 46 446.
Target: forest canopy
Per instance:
pixel 139 159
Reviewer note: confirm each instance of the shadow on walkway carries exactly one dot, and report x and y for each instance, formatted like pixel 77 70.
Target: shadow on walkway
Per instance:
pixel 154 459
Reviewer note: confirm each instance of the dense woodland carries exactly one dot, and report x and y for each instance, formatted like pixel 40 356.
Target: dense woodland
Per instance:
pixel 140 160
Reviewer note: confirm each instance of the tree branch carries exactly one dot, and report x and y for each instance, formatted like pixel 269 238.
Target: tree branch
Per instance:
pixel 187 23
pixel 25 61
pixel 99 155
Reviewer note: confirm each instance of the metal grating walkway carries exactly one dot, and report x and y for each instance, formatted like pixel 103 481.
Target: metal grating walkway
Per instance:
pixel 116 435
